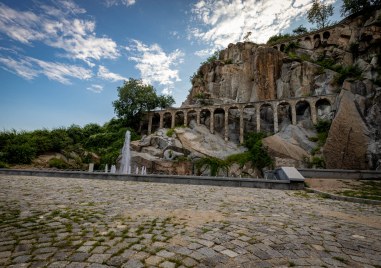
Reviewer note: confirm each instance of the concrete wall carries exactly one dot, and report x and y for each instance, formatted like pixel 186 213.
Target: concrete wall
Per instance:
pixel 340 174
pixel 217 181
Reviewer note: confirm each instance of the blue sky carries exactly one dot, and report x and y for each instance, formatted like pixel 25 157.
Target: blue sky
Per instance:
pixel 61 61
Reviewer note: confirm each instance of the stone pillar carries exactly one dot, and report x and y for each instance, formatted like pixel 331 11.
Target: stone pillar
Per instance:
pixel 275 112
pixel 258 116
pixel 241 126
pixel 150 115
pixel 198 112
pixel 293 113
pixel 212 121
pixel 313 112
pixel 173 120
pixel 161 120
pixel 226 124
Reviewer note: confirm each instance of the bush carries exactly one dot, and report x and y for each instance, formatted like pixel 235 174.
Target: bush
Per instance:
pixel 58 163
pixel 352 71
pixel 214 164
pixel 316 162
pixel 259 156
pixel 3 165
pixel 170 132
pixel 19 153
pixel 278 38
pixel 240 159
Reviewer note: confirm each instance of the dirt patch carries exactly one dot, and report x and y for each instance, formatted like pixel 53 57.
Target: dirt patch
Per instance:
pixel 372 221
pixel 331 185
pixel 191 218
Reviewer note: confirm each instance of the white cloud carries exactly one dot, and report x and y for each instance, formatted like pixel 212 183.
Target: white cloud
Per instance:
pixel 205 52
pixel 228 21
pixel 105 74
pixel 30 68
pixel 58 26
pixel 126 3
pixel 95 88
pixel 155 65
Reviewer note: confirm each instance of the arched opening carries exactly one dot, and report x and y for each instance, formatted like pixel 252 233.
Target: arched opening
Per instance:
pixel 303 111
pixel 233 124
pixel 275 47
pixel 284 115
pixel 324 110
pixel 307 39
pixel 219 121
pixel 326 35
pixel 282 47
pixel 167 120
pixel 155 122
pixel 179 119
pixel 192 117
pixel 267 118
pixel 205 117
pixel 249 119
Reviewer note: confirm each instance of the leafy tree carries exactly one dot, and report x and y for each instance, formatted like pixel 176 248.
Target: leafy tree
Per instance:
pixel 319 14
pixel 352 6
pixel 300 30
pixel 137 98
pixel 259 156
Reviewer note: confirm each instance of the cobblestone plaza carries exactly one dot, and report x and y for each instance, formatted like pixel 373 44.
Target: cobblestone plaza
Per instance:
pixel 62 222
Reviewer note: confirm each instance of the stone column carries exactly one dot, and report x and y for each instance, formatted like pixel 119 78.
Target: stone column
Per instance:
pixel 198 112
pixel 173 114
pixel 241 126
pixel 275 112
pixel 212 121
pixel 313 112
pixel 226 124
pixel 161 120
pixel 150 123
pixel 185 118
pixel 293 113
pixel 258 116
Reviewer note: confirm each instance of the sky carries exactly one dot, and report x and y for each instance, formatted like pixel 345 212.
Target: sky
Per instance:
pixel 62 61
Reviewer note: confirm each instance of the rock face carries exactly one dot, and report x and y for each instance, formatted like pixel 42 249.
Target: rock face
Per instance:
pixel 348 134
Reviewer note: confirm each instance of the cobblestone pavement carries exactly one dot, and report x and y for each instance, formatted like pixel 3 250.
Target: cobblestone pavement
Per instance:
pixel 62 222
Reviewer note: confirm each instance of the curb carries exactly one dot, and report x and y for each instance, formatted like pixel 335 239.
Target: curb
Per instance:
pixel 346 198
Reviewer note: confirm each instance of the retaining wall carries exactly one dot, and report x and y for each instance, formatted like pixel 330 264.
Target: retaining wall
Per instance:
pixel 194 180
pixel 340 174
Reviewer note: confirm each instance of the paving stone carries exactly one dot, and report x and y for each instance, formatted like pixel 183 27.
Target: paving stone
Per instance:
pixel 133 264
pixel 98 258
pixel 22 258
pixel 167 264
pixel 189 262
pixel 153 260
pixel 229 253
pixel 165 254
pixel 79 257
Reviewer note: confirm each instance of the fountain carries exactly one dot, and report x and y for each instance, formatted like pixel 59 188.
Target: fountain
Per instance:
pixel 125 165
pixel 113 169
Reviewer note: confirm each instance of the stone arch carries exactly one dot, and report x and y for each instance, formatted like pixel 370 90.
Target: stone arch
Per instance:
pixel 303 111
pixel 284 114
pixel 282 47
pixel 307 38
pixel 249 119
pixel 267 118
pixel 323 109
pixel 179 118
pixel 326 35
pixel 192 116
pixel 155 122
pixel 167 120
pixel 316 40
pixel 316 36
pixel 205 117
pixel 234 116
pixel 219 121
pixel 275 47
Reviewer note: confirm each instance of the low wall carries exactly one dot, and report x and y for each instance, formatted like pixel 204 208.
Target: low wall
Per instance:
pixel 340 174
pixel 195 180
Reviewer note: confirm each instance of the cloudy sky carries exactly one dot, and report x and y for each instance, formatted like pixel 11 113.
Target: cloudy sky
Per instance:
pixel 61 61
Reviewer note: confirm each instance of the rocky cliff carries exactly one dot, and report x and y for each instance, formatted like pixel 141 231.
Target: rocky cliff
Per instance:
pixel 343 59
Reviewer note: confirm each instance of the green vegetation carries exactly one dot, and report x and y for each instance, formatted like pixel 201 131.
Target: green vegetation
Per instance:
pixel 278 38
pixel 136 98
pixel 212 58
pixel 322 128
pixel 367 189
pixel 319 14
pixel 214 164
pixel 79 144
pixel 352 6
pixel 300 30
pixel 170 132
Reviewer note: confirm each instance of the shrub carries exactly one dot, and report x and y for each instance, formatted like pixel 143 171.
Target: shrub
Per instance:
pixel 58 163
pixel 259 156
pixel 214 164
pixel 229 61
pixel 3 165
pixel 240 159
pixel 317 162
pixel 352 71
pixel 170 132
pixel 278 38
pixel 19 153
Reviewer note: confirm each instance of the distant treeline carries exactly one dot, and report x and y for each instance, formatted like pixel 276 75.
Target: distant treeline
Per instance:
pixel 78 143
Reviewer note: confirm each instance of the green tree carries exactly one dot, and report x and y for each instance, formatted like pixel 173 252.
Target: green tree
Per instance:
pixel 137 98
pixel 319 14
pixel 352 6
pixel 300 30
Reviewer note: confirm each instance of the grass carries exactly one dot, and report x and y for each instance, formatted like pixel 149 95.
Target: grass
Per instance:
pixel 367 189
pixel 303 194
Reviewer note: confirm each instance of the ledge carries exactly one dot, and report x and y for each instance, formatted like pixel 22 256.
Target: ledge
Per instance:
pixel 191 180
